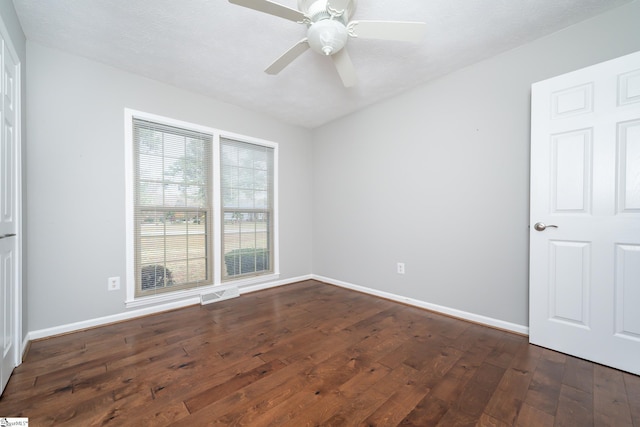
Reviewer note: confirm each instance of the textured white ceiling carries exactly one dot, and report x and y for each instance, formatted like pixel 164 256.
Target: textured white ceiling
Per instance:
pixel 220 50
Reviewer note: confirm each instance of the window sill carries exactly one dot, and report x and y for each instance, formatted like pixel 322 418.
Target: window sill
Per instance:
pixel 195 293
pixel 251 280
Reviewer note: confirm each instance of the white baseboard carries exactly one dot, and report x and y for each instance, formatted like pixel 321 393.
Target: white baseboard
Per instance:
pixel 24 348
pixel 101 321
pixel 476 318
pixel 261 286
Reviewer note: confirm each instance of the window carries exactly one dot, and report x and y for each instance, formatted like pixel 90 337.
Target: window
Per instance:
pixel 201 209
pixel 173 210
pixel 247 208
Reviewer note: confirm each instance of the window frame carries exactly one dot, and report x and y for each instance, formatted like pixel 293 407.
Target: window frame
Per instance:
pixel 217 212
pixel 267 211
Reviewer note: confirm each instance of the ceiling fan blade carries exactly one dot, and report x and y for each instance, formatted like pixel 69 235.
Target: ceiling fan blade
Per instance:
pixel 288 57
pixel 272 8
pixel 345 68
pixel 388 30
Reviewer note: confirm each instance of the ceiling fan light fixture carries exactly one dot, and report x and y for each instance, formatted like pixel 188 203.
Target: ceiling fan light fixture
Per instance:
pixel 327 36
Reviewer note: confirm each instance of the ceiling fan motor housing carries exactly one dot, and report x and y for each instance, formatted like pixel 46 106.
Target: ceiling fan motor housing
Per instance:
pixel 318 10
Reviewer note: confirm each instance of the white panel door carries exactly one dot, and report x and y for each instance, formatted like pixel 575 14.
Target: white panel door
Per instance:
pixel 585 214
pixel 9 212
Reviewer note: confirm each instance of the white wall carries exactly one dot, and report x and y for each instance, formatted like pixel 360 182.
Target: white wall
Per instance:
pixel 76 204
pixel 438 177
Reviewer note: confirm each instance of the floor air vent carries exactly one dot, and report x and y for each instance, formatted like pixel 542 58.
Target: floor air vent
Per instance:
pixel 219 295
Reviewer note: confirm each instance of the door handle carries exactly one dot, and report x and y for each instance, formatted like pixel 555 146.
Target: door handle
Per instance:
pixel 7 235
pixel 541 226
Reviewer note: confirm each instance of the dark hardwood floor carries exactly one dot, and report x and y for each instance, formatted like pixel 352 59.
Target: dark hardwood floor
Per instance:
pixel 311 354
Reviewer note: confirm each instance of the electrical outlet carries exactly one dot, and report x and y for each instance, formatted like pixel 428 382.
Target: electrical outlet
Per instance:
pixel 113 283
pixel 401 268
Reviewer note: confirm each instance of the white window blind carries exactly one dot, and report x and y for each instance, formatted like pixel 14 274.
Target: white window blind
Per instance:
pixel 247 181
pixel 172 208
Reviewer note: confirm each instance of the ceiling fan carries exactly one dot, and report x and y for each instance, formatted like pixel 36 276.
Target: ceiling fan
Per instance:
pixel 329 28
